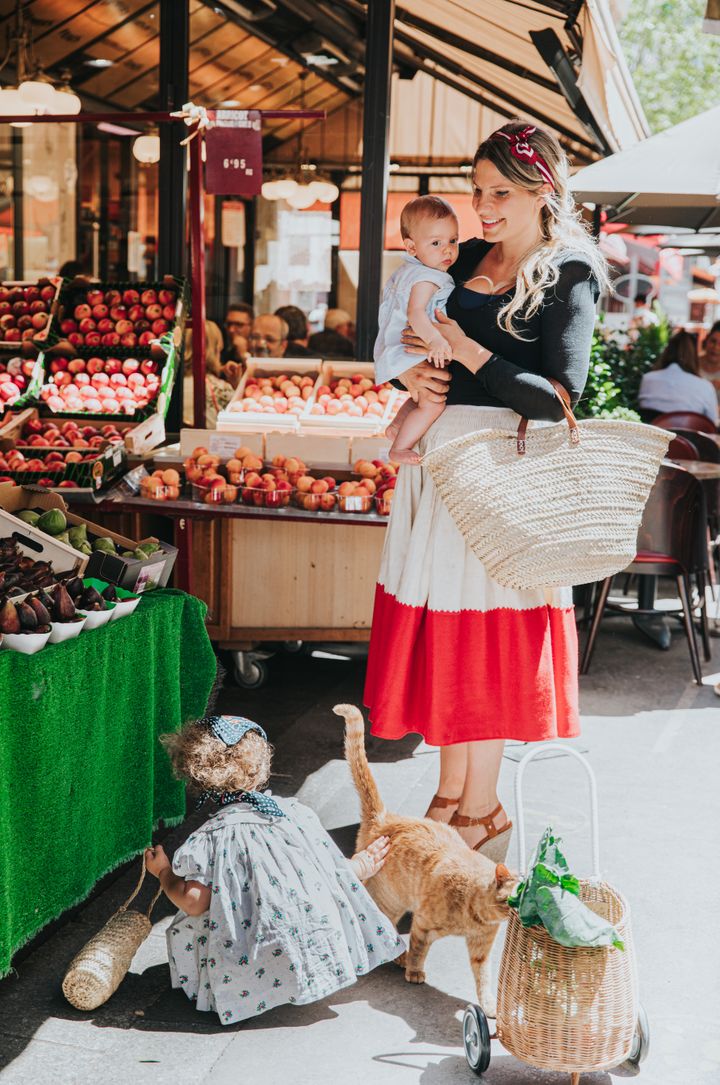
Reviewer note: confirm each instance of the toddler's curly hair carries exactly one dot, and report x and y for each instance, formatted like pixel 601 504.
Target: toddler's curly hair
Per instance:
pixel 205 762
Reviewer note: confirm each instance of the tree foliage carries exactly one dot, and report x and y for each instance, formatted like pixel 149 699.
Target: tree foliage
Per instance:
pixel 674 65
pixel 617 364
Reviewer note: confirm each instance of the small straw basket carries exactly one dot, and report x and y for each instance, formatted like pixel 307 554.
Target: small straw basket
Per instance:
pixel 97 971
pixel 542 511
pixel 568 1009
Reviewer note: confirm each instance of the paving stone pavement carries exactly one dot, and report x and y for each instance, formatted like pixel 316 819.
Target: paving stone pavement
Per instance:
pixel 653 738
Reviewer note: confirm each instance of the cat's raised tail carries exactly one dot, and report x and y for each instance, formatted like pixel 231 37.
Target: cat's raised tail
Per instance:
pixel 370 802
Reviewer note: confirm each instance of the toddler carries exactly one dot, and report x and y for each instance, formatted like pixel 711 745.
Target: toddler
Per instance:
pixel 270 910
pixel 429 228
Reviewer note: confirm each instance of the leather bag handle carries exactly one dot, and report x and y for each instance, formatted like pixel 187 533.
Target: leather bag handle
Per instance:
pixel 564 398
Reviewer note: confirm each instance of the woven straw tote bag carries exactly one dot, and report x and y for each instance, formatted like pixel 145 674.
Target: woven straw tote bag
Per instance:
pixel 97 971
pixel 568 1009
pixel 542 511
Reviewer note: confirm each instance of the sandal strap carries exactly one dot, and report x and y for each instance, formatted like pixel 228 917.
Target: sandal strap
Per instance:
pixel 498 832
pixel 441 802
pixel 488 821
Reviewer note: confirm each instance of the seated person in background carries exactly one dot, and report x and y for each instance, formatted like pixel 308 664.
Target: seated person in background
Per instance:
pixel 334 341
pixel 268 337
pixel 710 358
pixel 673 383
pixel 643 316
pixel 218 392
pixel 298 331
pixel 238 321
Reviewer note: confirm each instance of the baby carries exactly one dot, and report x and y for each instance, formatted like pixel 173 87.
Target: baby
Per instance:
pixel 270 910
pixel 429 228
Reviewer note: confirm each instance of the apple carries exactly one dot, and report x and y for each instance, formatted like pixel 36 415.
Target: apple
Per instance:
pixel 159 327
pixel 47 293
pixel 7 320
pixel 117 379
pixel 27 367
pixel 136 312
pixel 76 339
pixel 62 378
pixel 82 312
pixel 20 307
pixel 118 312
pixel 87 324
pixel 149 365
pixel 113 297
pixel 128 339
pixel 24 321
pixel 95 297
pixel 39 320
pixel 6 307
pixel 130 365
pixel 135 380
pixel 95 365
pixel 110 339
pixel 113 365
pixel 153 312
pixel 96 380
pixel 122 327
pixel 81 379
pixel 100 311
pixel 105 325
pixel 130 297
pixel 168 313
pixel 166 297
pixel 145 339
pixel 68 326
pixel 142 325
pixel 57 365
pixel 38 307
pixel 93 339
pixel 148 297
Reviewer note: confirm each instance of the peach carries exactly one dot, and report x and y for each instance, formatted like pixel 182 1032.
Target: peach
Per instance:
pixel 234 465
pixel 304 483
pixel 252 463
pixel 319 486
pixel 278 461
pixel 327 502
pixel 198 452
pixel 242 452
pixel 230 494
pixel 330 481
pixel 368 486
pixel 208 461
pixel 252 479
pixel 346 488
pixel 171 477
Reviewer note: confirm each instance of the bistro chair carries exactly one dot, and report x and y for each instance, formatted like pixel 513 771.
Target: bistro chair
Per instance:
pixel 680 448
pixel 709 452
pixel 708 449
pixel 671 542
pixel 684 420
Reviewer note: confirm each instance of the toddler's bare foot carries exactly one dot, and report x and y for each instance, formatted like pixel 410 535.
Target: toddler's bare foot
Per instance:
pixel 404 455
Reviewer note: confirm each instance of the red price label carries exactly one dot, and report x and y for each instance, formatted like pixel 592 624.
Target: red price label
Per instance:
pixel 234 154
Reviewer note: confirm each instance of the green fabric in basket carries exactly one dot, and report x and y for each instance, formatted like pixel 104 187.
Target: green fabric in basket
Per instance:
pixel 84 778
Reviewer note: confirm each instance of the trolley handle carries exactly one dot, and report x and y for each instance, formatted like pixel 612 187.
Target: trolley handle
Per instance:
pixel 520 809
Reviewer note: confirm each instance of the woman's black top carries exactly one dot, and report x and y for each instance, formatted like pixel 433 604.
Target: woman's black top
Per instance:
pixel 557 340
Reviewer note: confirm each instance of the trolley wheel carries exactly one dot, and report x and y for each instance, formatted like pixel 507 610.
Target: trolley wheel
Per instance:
pixel 294 647
pixel 641 1040
pixel 476 1039
pixel 252 674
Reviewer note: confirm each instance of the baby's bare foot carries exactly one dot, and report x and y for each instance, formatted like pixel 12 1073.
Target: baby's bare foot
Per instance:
pixel 404 455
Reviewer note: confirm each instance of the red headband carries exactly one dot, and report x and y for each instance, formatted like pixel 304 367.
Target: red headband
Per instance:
pixel 520 148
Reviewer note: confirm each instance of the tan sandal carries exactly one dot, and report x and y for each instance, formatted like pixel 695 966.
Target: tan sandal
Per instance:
pixel 495 844
pixel 440 802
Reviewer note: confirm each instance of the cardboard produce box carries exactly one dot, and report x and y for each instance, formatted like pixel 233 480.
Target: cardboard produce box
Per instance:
pixel 33 542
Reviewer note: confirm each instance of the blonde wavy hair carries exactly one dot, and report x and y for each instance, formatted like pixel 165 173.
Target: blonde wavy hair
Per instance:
pixel 563 232
pixel 205 762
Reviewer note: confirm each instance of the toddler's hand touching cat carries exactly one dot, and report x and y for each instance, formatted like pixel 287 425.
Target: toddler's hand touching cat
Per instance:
pixel 368 862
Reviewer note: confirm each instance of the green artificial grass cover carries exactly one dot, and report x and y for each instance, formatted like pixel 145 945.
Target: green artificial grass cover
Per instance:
pixel 84 779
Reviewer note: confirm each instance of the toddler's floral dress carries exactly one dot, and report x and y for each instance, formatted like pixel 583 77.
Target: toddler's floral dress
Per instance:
pixel 289 921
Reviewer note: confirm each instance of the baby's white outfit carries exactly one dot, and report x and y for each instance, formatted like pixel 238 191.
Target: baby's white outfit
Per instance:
pixel 389 352
pixel 289 920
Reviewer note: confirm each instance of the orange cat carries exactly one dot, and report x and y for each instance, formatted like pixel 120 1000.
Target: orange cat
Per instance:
pixel 431 872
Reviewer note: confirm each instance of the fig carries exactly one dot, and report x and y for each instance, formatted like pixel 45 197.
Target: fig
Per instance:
pixel 45 599
pixel 9 620
pixel 91 599
pixel 75 587
pixel 28 617
pixel 63 609
pixel 110 594
pixel 41 612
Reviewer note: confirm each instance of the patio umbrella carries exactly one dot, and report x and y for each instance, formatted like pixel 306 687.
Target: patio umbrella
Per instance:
pixel 670 179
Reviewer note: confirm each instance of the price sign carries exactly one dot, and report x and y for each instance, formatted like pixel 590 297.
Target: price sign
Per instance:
pixel 234 153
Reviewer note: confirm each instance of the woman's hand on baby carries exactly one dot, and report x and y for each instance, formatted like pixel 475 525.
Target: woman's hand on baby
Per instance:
pixel 156 860
pixel 368 862
pixel 425 378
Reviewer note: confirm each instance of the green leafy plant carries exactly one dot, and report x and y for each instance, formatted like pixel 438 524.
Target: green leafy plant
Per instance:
pixel 617 364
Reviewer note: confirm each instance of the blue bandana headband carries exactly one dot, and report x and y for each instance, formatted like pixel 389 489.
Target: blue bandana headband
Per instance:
pixel 230 729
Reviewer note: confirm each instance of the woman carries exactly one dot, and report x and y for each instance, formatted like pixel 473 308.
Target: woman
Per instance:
pixel 218 392
pixel 673 383
pixel 710 358
pixel 453 655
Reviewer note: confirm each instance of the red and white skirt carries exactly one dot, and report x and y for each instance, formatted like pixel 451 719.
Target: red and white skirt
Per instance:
pixel 454 656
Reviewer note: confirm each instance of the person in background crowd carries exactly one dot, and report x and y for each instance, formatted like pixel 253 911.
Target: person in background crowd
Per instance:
pixel 218 392
pixel 643 316
pixel 710 358
pixel 334 341
pixel 673 383
pixel 299 331
pixel 268 337
pixel 238 321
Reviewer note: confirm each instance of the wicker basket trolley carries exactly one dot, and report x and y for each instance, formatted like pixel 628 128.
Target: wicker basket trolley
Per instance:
pixel 564 1009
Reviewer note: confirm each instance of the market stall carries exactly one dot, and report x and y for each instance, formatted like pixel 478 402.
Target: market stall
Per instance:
pixel 86 780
